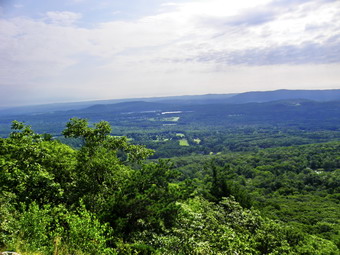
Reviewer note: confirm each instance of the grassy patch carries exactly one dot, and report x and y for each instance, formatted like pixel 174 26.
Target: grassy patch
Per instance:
pixel 171 119
pixel 197 140
pixel 183 142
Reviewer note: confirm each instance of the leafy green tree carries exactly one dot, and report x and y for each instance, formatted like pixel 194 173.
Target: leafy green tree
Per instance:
pixel 103 162
pixel 223 185
pixel 35 169
pixel 113 183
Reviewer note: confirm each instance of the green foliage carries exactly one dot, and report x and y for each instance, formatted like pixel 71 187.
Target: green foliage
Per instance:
pixel 8 216
pixel 203 227
pixel 86 233
pixel 98 137
pixel 223 186
pixel 33 229
pixel 34 169
pixel 102 198
pixel 54 229
pixel 148 202
pixel 280 182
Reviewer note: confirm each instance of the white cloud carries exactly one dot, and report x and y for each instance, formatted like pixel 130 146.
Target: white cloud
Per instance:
pixel 64 18
pixel 217 8
pixel 186 49
pixel 32 49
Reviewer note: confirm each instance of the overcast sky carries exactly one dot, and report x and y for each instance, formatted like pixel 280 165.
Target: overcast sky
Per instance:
pixel 74 50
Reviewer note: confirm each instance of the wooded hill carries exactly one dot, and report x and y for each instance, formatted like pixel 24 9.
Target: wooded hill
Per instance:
pixel 105 199
pixel 179 175
pixel 241 98
pixel 297 113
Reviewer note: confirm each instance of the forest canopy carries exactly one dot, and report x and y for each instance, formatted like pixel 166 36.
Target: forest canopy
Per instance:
pixel 105 197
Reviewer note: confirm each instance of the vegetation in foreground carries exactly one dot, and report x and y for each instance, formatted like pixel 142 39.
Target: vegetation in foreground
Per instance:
pixel 103 198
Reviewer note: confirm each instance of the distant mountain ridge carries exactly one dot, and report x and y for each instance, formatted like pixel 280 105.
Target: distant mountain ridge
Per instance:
pixel 241 98
pixel 181 100
pixel 323 112
pixel 283 94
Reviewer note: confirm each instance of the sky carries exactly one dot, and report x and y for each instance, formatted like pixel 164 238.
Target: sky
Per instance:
pixel 76 50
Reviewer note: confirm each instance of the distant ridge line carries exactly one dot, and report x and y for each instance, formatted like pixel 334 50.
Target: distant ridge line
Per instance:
pixel 233 98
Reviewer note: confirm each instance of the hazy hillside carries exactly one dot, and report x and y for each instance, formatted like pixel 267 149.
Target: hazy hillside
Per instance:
pixel 290 113
pixel 49 108
pixel 267 96
pixel 247 97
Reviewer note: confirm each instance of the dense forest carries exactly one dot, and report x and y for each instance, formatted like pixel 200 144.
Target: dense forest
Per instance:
pixel 246 190
pixel 253 173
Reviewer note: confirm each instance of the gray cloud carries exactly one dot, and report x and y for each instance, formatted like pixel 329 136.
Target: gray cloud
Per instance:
pixel 305 38
pixel 289 2
pixel 265 13
pixel 297 2
pixel 252 17
pixel 308 53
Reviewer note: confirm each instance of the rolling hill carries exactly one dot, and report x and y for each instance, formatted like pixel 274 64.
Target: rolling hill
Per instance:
pixel 242 98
